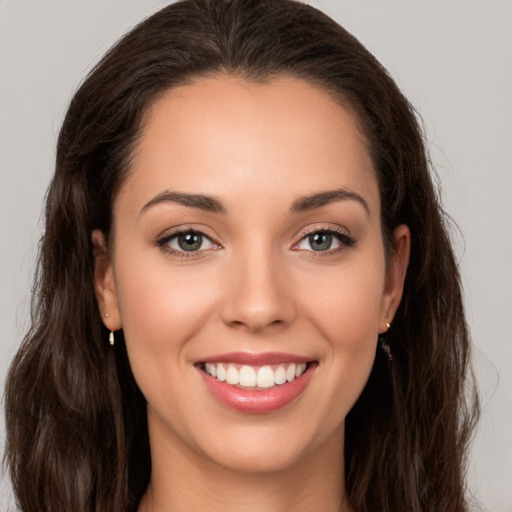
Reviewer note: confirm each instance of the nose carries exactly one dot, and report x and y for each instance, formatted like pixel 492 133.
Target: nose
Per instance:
pixel 258 295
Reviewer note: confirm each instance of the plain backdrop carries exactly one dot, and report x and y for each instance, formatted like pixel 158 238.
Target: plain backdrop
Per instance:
pixel 453 59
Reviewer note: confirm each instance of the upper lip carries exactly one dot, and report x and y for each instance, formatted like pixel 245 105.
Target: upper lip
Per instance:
pixel 253 359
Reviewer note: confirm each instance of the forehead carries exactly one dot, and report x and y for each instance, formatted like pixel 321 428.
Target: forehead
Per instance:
pixel 222 134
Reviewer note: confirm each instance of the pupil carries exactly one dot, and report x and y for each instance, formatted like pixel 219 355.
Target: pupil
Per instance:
pixel 190 241
pixel 320 241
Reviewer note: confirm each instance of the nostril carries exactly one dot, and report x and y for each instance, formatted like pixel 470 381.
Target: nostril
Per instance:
pixel 238 324
pixel 255 326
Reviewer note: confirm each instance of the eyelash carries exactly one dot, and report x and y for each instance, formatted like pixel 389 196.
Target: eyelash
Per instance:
pixel 343 238
pixel 341 235
pixel 163 242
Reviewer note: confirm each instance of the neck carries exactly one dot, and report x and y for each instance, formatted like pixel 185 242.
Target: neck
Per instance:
pixel 183 480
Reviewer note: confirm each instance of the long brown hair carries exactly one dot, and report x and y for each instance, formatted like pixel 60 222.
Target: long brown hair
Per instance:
pixel 77 436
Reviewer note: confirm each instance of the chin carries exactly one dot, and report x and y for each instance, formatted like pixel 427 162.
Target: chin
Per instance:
pixel 268 450
pixel 259 461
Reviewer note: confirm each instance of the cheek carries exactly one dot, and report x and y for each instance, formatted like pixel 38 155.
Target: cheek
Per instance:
pixel 345 303
pixel 161 309
pixel 344 308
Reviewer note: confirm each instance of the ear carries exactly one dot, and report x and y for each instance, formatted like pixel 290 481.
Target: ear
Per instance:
pixel 395 276
pixel 104 283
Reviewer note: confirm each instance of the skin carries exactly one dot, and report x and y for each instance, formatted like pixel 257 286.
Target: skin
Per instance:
pixel 256 285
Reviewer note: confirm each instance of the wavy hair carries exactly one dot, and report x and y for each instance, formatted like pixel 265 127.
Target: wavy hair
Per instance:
pixel 77 435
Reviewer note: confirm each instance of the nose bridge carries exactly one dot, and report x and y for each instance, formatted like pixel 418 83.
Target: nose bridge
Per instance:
pixel 259 295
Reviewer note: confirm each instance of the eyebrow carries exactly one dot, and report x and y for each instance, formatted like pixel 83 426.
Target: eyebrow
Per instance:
pixel 202 202
pixel 306 203
pixel 211 204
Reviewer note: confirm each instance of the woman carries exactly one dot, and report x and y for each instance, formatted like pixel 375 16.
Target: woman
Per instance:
pixel 269 314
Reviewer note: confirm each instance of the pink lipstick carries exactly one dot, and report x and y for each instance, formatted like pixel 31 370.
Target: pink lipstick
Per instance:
pixel 256 383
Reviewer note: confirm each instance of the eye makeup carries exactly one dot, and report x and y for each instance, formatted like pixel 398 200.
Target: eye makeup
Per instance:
pixel 189 242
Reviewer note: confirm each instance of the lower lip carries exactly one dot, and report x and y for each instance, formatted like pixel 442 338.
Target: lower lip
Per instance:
pixel 257 401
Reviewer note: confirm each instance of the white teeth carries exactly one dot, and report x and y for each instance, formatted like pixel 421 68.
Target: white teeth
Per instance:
pixel 232 375
pixel 221 373
pixel 280 375
pixel 290 373
pixel 301 368
pixel 250 377
pixel 211 369
pixel 247 376
pixel 265 378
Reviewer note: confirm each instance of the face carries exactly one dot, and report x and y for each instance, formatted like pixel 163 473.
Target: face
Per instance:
pixel 248 271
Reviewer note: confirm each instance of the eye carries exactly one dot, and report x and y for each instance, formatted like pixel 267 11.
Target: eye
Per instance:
pixel 186 241
pixel 324 240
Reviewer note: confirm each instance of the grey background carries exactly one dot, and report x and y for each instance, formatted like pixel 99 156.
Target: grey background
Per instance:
pixel 452 59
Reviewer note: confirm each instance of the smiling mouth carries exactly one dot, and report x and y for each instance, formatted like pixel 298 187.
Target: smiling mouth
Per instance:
pixel 255 377
pixel 256 383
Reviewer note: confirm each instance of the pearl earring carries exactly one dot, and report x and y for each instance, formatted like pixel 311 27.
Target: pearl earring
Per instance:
pixel 111 335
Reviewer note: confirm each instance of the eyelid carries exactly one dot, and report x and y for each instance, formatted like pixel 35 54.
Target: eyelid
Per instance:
pixel 342 234
pixel 163 240
pixel 172 240
pixel 186 228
